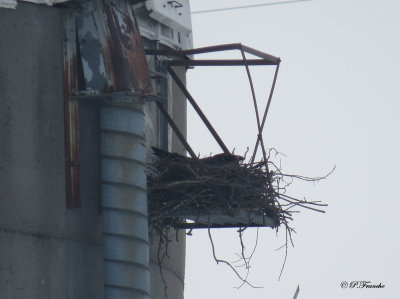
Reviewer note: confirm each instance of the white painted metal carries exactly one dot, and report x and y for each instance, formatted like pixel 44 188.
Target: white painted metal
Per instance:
pixel 171 13
pixel 169 22
pixel 175 37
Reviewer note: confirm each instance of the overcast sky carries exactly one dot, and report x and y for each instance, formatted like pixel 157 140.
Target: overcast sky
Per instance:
pixel 337 102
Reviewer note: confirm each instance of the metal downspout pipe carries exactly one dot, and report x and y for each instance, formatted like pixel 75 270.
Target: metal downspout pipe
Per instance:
pixel 124 202
pixel 115 67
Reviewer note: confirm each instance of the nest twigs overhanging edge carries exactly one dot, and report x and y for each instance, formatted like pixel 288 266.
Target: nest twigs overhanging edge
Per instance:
pixel 179 186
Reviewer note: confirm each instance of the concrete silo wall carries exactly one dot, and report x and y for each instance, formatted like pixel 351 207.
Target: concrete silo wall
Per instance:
pixel 46 250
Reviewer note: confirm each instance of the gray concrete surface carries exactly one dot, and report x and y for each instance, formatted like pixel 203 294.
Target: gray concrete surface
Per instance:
pixel 46 250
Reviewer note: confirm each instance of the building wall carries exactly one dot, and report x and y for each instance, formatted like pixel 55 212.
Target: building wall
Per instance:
pixel 47 250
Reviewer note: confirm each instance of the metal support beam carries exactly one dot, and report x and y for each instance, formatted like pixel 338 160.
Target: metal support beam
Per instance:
pixel 198 110
pixel 266 57
pixel 176 130
pixel 265 113
pixel 71 112
pixel 215 62
pixel 116 97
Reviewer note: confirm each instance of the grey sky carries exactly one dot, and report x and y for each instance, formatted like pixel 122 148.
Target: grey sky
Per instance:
pixel 336 103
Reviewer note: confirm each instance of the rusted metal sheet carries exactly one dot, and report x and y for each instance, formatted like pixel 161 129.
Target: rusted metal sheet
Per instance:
pixel 111 47
pixel 103 59
pixel 71 112
pixel 114 63
pixel 131 70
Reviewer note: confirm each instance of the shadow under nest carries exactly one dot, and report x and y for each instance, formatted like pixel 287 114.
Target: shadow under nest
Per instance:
pixel 242 194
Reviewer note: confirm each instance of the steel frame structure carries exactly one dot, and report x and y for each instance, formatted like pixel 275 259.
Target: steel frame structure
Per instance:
pixel 182 58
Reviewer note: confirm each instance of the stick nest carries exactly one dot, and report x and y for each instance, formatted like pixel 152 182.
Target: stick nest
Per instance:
pixel 179 185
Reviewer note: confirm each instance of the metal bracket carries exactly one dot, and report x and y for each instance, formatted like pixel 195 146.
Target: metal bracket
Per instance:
pixel 262 59
pixel 214 218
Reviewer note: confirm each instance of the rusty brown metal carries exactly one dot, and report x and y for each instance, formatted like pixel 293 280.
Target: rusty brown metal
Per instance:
pixel 112 49
pixel 71 113
pixel 131 71
pixel 103 58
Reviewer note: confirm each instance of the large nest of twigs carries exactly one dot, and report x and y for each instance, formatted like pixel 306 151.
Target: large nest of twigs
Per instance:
pixel 180 186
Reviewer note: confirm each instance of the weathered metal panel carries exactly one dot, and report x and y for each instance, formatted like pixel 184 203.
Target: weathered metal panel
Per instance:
pixel 103 55
pixel 128 56
pixel 91 41
pixel 111 48
pixel 114 64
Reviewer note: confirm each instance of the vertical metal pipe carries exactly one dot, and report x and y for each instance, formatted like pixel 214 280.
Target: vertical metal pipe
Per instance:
pixel 113 60
pixel 124 202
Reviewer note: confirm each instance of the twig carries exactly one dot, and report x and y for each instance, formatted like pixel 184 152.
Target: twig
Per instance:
pixel 227 263
pixel 161 261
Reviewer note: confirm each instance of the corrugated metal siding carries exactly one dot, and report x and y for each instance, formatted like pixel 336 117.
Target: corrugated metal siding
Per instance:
pixel 124 202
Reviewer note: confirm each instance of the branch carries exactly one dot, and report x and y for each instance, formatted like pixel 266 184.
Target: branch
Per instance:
pixel 244 280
